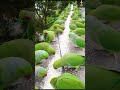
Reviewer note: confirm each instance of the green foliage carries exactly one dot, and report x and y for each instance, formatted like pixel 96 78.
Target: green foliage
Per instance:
pixel 51 20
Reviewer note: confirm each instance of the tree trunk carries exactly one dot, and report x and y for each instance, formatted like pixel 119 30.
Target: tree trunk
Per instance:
pixel 78 3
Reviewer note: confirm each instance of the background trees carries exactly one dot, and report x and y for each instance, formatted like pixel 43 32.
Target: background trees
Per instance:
pixel 46 12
